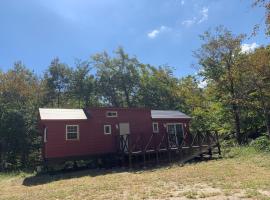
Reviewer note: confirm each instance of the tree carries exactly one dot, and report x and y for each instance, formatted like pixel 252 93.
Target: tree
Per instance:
pixel 82 84
pixel 117 78
pixel 158 88
pixel 107 86
pixel 21 95
pixel 266 5
pixel 199 102
pixel 217 57
pixel 57 80
pixel 257 82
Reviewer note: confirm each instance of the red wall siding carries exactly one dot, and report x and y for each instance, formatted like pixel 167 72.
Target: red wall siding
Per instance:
pixel 92 139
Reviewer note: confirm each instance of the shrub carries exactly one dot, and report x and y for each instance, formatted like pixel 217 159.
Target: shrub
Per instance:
pixel 261 143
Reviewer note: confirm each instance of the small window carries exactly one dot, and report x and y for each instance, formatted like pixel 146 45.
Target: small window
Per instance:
pixel 72 132
pixel 111 114
pixel 45 135
pixel 155 127
pixel 107 129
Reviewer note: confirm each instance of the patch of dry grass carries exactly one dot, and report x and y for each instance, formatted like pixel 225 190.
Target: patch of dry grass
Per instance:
pixel 246 176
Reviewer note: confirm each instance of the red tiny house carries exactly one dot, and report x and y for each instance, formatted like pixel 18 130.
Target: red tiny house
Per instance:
pixel 75 133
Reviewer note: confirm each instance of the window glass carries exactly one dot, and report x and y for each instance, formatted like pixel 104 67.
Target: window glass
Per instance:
pixel 107 129
pixel 111 114
pixel 72 132
pixel 155 127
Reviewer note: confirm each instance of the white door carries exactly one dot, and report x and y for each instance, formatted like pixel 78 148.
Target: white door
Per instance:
pixel 124 134
pixel 124 128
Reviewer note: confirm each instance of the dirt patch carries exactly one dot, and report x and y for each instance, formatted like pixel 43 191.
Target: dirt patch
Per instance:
pixel 202 191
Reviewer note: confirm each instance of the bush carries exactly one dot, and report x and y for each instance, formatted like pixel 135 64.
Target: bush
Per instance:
pixel 261 143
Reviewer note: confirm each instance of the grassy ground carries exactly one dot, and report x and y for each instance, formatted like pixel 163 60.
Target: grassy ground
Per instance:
pixel 243 174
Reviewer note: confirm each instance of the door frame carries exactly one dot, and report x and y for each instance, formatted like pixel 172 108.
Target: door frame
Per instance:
pixel 175 133
pixel 125 145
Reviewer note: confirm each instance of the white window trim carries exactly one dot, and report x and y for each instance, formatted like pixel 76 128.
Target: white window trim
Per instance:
pixel 153 125
pixel 78 133
pixel 116 114
pixel 110 128
pixel 45 135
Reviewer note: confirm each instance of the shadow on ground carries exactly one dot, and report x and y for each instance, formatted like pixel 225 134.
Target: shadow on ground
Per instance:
pixel 41 179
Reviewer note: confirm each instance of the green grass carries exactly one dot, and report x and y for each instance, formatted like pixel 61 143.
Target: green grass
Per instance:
pixel 242 173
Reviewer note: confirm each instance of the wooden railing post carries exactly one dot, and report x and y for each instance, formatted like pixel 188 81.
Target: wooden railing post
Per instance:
pixel 129 150
pixel 190 144
pixel 121 143
pixel 144 153
pixel 200 143
pixel 156 148
pixel 208 138
pixel 218 144
pixel 180 150
pixel 208 135
pixel 168 146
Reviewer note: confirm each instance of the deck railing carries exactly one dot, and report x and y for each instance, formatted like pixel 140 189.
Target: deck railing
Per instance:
pixel 190 144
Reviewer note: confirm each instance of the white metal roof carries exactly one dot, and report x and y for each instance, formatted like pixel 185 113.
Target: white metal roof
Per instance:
pixel 61 114
pixel 168 114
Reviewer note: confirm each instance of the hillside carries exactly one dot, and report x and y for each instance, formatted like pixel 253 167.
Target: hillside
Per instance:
pixel 244 174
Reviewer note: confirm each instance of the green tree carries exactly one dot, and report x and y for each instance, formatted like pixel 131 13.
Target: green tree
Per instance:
pixel 82 84
pixel 256 69
pixel 57 79
pixel 117 78
pixel 266 5
pixel 218 58
pixel 158 88
pixel 200 103
pixel 19 102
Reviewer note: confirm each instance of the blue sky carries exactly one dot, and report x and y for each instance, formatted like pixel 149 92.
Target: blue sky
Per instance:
pixel 158 32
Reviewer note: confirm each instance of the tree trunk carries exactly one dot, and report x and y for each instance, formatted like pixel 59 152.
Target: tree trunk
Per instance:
pixel 235 108
pixel 237 124
pixel 265 110
pixel 114 101
pixel 267 123
pixel 24 158
pixel 127 98
pixel 58 99
pixel 2 154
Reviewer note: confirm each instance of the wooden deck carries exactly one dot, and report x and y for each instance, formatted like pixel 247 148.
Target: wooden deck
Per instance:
pixel 192 146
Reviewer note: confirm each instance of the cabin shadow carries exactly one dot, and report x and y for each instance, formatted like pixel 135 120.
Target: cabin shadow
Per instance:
pixel 49 177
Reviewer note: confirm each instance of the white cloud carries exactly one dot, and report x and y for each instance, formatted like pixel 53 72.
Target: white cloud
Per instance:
pixel 247 48
pixel 182 2
pixel 203 16
pixel 154 33
pixel 189 22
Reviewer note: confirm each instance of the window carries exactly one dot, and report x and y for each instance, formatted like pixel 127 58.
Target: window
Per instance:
pixel 107 129
pixel 45 135
pixel 111 114
pixel 155 127
pixel 72 132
